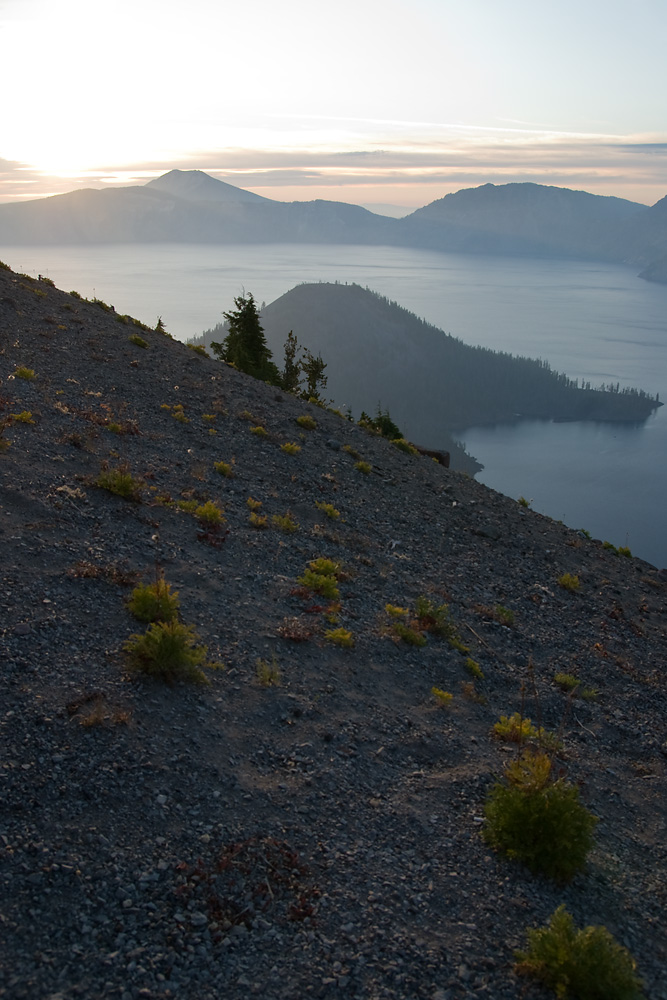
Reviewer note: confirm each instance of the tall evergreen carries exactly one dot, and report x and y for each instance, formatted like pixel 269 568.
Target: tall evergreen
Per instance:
pixel 245 345
pixel 290 379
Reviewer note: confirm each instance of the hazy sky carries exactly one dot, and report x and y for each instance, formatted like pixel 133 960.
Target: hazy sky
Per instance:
pixel 366 101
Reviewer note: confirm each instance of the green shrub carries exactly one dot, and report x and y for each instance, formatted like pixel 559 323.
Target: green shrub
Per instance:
pixel 259 431
pixel 25 373
pixel 259 521
pixel 138 341
pixel 24 417
pixel 154 602
pixel 435 619
pixel 588 964
pixel 623 550
pixel 199 349
pixel 517 729
pixel 409 635
pixel 523 502
pixel 119 481
pixel 328 509
pixel 340 637
pixel 443 698
pixel 538 821
pixel 473 668
pixel 352 452
pixel 209 513
pixel 307 422
pixel 321 577
pixel 503 615
pixel 569 582
pixel 285 522
pixel 364 467
pixel 225 469
pixel 405 446
pixel 290 448
pixel 167 650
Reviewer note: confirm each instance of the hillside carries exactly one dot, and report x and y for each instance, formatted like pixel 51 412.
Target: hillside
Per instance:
pixel 432 383
pixel 320 836
pixel 189 206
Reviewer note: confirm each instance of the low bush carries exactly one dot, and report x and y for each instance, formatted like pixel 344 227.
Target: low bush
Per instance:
pixel 119 481
pixel 541 822
pixel 587 964
pixel 154 602
pixel 167 651
pixel 307 422
pixel 570 582
pixel 285 522
pixel 138 341
pixel 340 637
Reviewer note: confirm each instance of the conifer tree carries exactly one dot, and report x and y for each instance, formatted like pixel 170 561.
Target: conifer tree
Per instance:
pixel 313 368
pixel 245 345
pixel 290 379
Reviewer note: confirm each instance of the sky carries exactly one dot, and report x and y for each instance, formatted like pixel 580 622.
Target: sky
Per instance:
pixel 371 102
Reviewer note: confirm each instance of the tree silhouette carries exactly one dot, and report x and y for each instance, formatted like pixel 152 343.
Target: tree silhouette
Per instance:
pixel 245 345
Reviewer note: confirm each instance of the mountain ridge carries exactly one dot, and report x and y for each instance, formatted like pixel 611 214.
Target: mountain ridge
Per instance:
pixel 191 206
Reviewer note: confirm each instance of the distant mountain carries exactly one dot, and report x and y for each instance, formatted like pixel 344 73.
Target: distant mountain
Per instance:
pixel 379 353
pixel 185 206
pixel 525 219
pixel 189 206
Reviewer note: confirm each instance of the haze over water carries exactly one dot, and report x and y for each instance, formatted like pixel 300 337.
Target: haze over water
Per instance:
pixel 596 322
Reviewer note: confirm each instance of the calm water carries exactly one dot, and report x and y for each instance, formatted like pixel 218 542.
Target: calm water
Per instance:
pixel 594 321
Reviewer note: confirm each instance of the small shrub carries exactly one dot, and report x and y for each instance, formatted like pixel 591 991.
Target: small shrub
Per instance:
pixel 516 729
pixel 253 504
pixel 327 567
pixel 324 585
pixel 443 698
pixel 209 513
pixel 154 602
pixel 364 467
pixel 225 469
pixel 167 650
pixel 328 509
pixel 103 305
pixel 285 522
pixel 538 821
pixel 246 415
pixel 178 414
pixel 395 612
pixel 435 619
pixel 352 452
pixel 259 431
pixel 588 964
pixel 623 550
pixel 189 506
pixel 409 635
pixel 25 373
pixel 209 417
pixel 474 669
pixel 268 674
pixel 307 422
pixel 523 502
pixel 119 481
pixel 503 615
pixel 568 682
pixel 138 341
pixel 199 349
pixel 259 521
pixel 340 637
pixel 290 448
pixel 405 446
pixel 569 582
pixel 24 417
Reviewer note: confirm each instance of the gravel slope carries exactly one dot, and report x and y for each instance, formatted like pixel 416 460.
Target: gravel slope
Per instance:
pixel 320 837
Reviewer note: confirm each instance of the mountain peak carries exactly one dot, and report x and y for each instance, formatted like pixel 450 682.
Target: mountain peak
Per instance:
pixel 195 185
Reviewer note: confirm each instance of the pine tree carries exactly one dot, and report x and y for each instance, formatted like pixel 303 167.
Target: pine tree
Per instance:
pixel 290 379
pixel 245 345
pixel 313 368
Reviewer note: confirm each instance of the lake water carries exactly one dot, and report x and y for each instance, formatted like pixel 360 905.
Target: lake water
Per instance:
pixel 596 322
